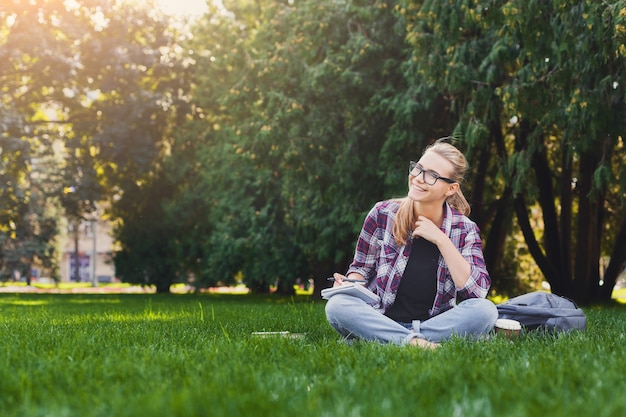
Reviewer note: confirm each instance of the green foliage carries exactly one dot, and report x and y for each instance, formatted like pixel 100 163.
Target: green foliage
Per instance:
pixel 172 355
pixel 538 118
pixel 28 222
pixel 295 109
pixel 147 244
pixel 256 146
pixel 92 86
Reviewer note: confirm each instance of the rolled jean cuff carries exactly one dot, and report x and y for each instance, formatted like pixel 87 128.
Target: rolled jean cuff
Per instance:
pixel 414 332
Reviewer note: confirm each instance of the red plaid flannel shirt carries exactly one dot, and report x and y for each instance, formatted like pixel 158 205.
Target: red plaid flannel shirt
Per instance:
pixel 382 262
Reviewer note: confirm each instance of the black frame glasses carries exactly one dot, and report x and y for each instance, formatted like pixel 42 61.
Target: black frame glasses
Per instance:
pixel 429 177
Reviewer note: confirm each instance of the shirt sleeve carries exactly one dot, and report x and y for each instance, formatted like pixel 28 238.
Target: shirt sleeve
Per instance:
pixel 470 246
pixel 366 253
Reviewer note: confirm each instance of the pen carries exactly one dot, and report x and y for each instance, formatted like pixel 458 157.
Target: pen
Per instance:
pixel 362 281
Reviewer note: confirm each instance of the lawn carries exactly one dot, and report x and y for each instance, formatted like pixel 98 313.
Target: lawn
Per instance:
pixel 154 355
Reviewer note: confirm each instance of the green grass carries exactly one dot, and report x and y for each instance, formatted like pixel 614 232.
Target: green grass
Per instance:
pixel 194 355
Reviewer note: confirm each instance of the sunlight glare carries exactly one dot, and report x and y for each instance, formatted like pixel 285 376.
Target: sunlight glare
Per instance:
pixel 184 8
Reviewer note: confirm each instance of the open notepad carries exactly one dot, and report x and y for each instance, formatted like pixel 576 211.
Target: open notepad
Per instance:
pixel 354 289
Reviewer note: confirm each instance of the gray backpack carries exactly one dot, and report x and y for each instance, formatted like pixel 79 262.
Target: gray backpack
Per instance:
pixel 543 311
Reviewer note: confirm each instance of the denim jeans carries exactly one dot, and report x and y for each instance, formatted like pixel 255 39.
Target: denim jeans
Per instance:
pixel 353 318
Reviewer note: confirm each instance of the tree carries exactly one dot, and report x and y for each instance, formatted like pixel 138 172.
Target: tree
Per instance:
pixel 28 221
pixel 98 82
pixel 147 256
pixel 336 122
pixel 295 102
pixel 545 123
pixel 28 176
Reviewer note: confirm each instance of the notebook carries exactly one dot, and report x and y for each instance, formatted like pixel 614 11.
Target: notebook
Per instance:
pixel 354 289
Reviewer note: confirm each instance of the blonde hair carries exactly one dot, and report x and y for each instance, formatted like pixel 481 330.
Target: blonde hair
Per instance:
pixel 406 218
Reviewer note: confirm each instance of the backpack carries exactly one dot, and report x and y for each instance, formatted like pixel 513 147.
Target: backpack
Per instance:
pixel 543 311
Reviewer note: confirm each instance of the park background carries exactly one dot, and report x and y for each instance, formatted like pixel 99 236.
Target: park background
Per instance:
pixel 244 146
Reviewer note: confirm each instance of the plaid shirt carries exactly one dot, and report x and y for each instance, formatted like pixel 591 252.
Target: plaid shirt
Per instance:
pixel 382 262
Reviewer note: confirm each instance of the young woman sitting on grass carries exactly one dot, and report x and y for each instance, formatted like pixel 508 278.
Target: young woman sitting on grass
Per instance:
pixel 421 255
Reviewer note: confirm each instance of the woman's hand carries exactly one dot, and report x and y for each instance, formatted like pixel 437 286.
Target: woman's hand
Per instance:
pixel 339 279
pixel 343 280
pixel 425 228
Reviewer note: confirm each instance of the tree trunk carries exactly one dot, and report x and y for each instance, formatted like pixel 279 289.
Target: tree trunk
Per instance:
pixel 565 217
pixel 76 252
pixel 477 199
pixel 259 287
pixel 285 287
pixel 27 275
pixel 559 283
pixel 552 237
pixel 496 220
pixel 495 242
pixel 162 287
pixel 616 264
pixel 321 272
pixel 587 259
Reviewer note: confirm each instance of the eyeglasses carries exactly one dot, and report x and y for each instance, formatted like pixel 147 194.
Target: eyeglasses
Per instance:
pixel 429 177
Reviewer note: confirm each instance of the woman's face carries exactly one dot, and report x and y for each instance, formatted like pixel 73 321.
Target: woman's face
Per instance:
pixel 425 184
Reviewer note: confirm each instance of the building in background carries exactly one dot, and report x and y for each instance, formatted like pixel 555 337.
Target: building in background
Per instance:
pixel 92 241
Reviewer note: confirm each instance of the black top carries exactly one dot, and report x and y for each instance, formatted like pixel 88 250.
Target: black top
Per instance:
pixel 418 286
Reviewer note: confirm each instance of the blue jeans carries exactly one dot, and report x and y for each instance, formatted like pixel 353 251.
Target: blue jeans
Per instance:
pixel 353 318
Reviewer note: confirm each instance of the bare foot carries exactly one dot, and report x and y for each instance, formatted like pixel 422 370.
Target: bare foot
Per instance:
pixel 424 344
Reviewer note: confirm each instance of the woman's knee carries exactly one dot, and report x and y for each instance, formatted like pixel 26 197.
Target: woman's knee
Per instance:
pixel 335 307
pixel 331 308
pixel 483 309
